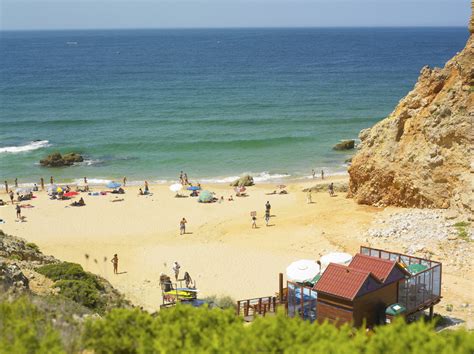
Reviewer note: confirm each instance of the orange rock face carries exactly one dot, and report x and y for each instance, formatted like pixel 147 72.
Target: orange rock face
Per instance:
pixel 421 154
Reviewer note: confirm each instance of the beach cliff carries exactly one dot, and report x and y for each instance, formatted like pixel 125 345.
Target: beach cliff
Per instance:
pixel 419 156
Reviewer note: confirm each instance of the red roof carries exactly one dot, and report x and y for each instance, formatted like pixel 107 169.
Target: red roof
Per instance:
pixel 379 267
pixel 342 281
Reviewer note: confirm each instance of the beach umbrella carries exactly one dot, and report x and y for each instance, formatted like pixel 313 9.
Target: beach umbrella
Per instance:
pixel 23 190
pixel 240 189
pixel 193 188
pixel 52 188
pixel 335 257
pixel 70 194
pixel 205 197
pixel 113 185
pixel 176 187
pixel 59 189
pixel 302 270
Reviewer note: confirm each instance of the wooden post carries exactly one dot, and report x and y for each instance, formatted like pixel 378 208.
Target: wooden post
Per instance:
pixel 259 306
pixel 246 308
pixel 274 304
pixel 431 312
pixel 280 287
pixel 238 308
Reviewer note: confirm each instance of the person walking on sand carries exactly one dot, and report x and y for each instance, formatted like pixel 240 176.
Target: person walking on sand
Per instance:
pixel 16 182
pixel 124 181
pixel 182 226
pixel 146 187
pixel 51 180
pixel 181 180
pixel 42 183
pixel 254 221
pixel 267 217
pixel 313 172
pixel 115 263
pixel 186 182
pixel 85 180
pixel 6 186
pixel 322 174
pixel 18 212
pixel 331 189
pixel 176 268
pixel 12 196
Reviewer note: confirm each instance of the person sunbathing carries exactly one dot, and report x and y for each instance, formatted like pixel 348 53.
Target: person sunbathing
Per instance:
pixel 231 199
pixel 79 203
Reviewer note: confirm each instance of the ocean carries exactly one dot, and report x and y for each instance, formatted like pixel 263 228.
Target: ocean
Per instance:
pixel 215 103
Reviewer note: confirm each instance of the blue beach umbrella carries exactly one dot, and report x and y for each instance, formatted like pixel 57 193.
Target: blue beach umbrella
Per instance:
pixel 113 185
pixel 193 188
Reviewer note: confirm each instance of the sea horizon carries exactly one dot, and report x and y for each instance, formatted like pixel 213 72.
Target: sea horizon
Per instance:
pixel 214 102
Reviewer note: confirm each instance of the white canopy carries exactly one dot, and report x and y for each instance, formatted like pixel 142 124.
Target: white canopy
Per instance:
pixel 176 187
pixel 302 270
pixel 335 257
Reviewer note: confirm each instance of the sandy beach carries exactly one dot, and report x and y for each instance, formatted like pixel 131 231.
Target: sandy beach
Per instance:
pixel 220 250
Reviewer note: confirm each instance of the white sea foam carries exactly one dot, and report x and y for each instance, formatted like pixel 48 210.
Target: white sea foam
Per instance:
pixel 92 181
pixel 34 145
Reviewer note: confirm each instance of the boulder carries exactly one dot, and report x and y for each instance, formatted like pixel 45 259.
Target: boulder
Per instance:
pixel 58 160
pixel 345 145
pixel 12 278
pixel 245 181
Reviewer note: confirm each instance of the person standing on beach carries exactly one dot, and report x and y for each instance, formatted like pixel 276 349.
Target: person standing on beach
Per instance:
pixel 313 172
pixel 16 182
pixel 181 180
pixel 254 220
pixel 309 197
pixel 85 180
pixel 124 181
pixel 18 212
pixel 51 180
pixel 322 174
pixel 331 189
pixel 146 188
pixel 115 263
pixel 176 268
pixel 182 226
pixel 12 196
pixel 186 182
pixel 42 183
pixel 6 186
pixel 268 207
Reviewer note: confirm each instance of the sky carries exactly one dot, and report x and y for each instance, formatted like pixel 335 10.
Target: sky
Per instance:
pixel 99 14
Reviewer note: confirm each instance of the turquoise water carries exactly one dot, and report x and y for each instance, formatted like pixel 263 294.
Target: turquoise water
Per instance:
pixel 215 103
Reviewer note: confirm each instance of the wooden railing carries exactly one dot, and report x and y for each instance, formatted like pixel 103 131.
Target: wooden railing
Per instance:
pixel 257 306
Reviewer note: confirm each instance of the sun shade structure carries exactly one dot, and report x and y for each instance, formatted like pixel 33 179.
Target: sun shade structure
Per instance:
pixel 335 257
pixel 302 270
pixel 193 188
pixel 23 190
pixel 113 185
pixel 205 197
pixel 176 187
pixel 70 194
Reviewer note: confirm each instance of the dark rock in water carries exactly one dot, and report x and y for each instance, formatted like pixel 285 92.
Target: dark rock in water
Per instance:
pixel 345 145
pixel 58 160
pixel 349 160
pixel 243 181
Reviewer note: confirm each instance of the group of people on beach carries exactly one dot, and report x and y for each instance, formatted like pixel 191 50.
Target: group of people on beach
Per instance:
pixel 313 173
pixel 183 178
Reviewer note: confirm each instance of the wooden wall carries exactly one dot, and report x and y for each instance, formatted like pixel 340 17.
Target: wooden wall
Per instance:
pixel 334 310
pixel 371 306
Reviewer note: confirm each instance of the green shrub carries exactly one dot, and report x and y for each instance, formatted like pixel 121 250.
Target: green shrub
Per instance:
pixel 224 302
pixel 33 246
pixel 69 271
pixel 76 284
pixel 24 329
pixel 82 292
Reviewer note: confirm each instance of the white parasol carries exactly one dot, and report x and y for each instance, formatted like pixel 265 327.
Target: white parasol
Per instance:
pixel 302 270
pixel 176 187
pixel 335 257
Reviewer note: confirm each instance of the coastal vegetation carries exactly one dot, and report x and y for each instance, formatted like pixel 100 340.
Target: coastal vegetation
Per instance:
pixel 25 327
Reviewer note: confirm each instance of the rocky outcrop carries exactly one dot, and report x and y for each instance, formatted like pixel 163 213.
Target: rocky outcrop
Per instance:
pixel 245 181
pixel 345 145
pixel 419 156
pixel 341 187
pixel 58 160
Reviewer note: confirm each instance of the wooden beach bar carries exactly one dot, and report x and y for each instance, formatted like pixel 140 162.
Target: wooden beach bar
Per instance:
pixel 376 286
